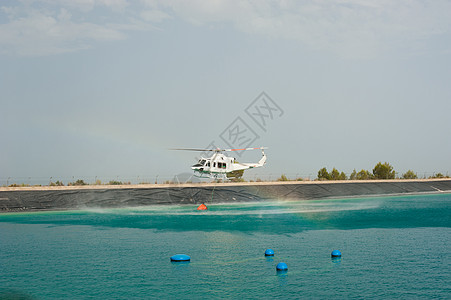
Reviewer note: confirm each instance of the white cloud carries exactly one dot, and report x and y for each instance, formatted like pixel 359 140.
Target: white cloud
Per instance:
pixel 46 27
pixel 346 27
pixel 42 34
pixel 349 28
pixel 84 5
pixel 154 16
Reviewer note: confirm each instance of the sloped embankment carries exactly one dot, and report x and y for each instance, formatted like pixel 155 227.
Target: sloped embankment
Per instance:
pixel 128 196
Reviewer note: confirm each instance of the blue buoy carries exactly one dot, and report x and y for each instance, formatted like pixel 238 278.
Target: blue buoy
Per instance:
pixel 269 252
pixel 336 253
pixel 282 266
pixel 180 257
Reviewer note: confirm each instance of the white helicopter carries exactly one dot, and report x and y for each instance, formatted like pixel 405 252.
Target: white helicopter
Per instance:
pixel 219 166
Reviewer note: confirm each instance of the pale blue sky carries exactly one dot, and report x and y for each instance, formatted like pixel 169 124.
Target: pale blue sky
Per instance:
pixel 103 88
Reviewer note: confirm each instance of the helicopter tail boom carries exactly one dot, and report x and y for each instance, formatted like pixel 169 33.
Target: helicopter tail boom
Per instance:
pixel 244 166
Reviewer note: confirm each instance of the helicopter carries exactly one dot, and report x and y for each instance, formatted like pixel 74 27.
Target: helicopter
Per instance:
pixel 218 166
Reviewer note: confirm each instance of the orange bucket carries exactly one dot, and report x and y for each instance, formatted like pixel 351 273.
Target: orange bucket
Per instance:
pixel 202 207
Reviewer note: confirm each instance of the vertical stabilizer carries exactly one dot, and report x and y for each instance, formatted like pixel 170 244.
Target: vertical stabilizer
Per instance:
pixel 262 161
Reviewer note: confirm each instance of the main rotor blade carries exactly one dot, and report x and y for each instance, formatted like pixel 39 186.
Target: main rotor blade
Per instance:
pixel 190 149
pixel 244 149
pixel 218 150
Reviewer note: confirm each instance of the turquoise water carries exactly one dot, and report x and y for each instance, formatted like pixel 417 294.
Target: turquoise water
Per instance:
pixel 393 247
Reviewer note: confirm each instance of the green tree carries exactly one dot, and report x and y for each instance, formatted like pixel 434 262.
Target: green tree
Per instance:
pixel 342 176
pixel 334 174
pixel 409 175
pixel 57 183
pixel 383 171
pixel 363 175
pixel 438 175
pixel 79 182
pixel 115 182
pixel 323 174
pixel 282 178
pixel 353 175
pixel 237 179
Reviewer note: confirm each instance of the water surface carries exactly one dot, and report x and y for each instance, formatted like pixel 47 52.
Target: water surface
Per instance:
pixel 393 247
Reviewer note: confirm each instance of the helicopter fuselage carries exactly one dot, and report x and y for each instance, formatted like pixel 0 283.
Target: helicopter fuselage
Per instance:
pixel 219 164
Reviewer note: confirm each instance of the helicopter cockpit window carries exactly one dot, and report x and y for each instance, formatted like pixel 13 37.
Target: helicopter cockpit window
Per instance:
pixel 208 164
pixel 200 163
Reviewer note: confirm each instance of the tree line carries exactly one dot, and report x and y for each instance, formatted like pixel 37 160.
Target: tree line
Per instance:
pixel 380 171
